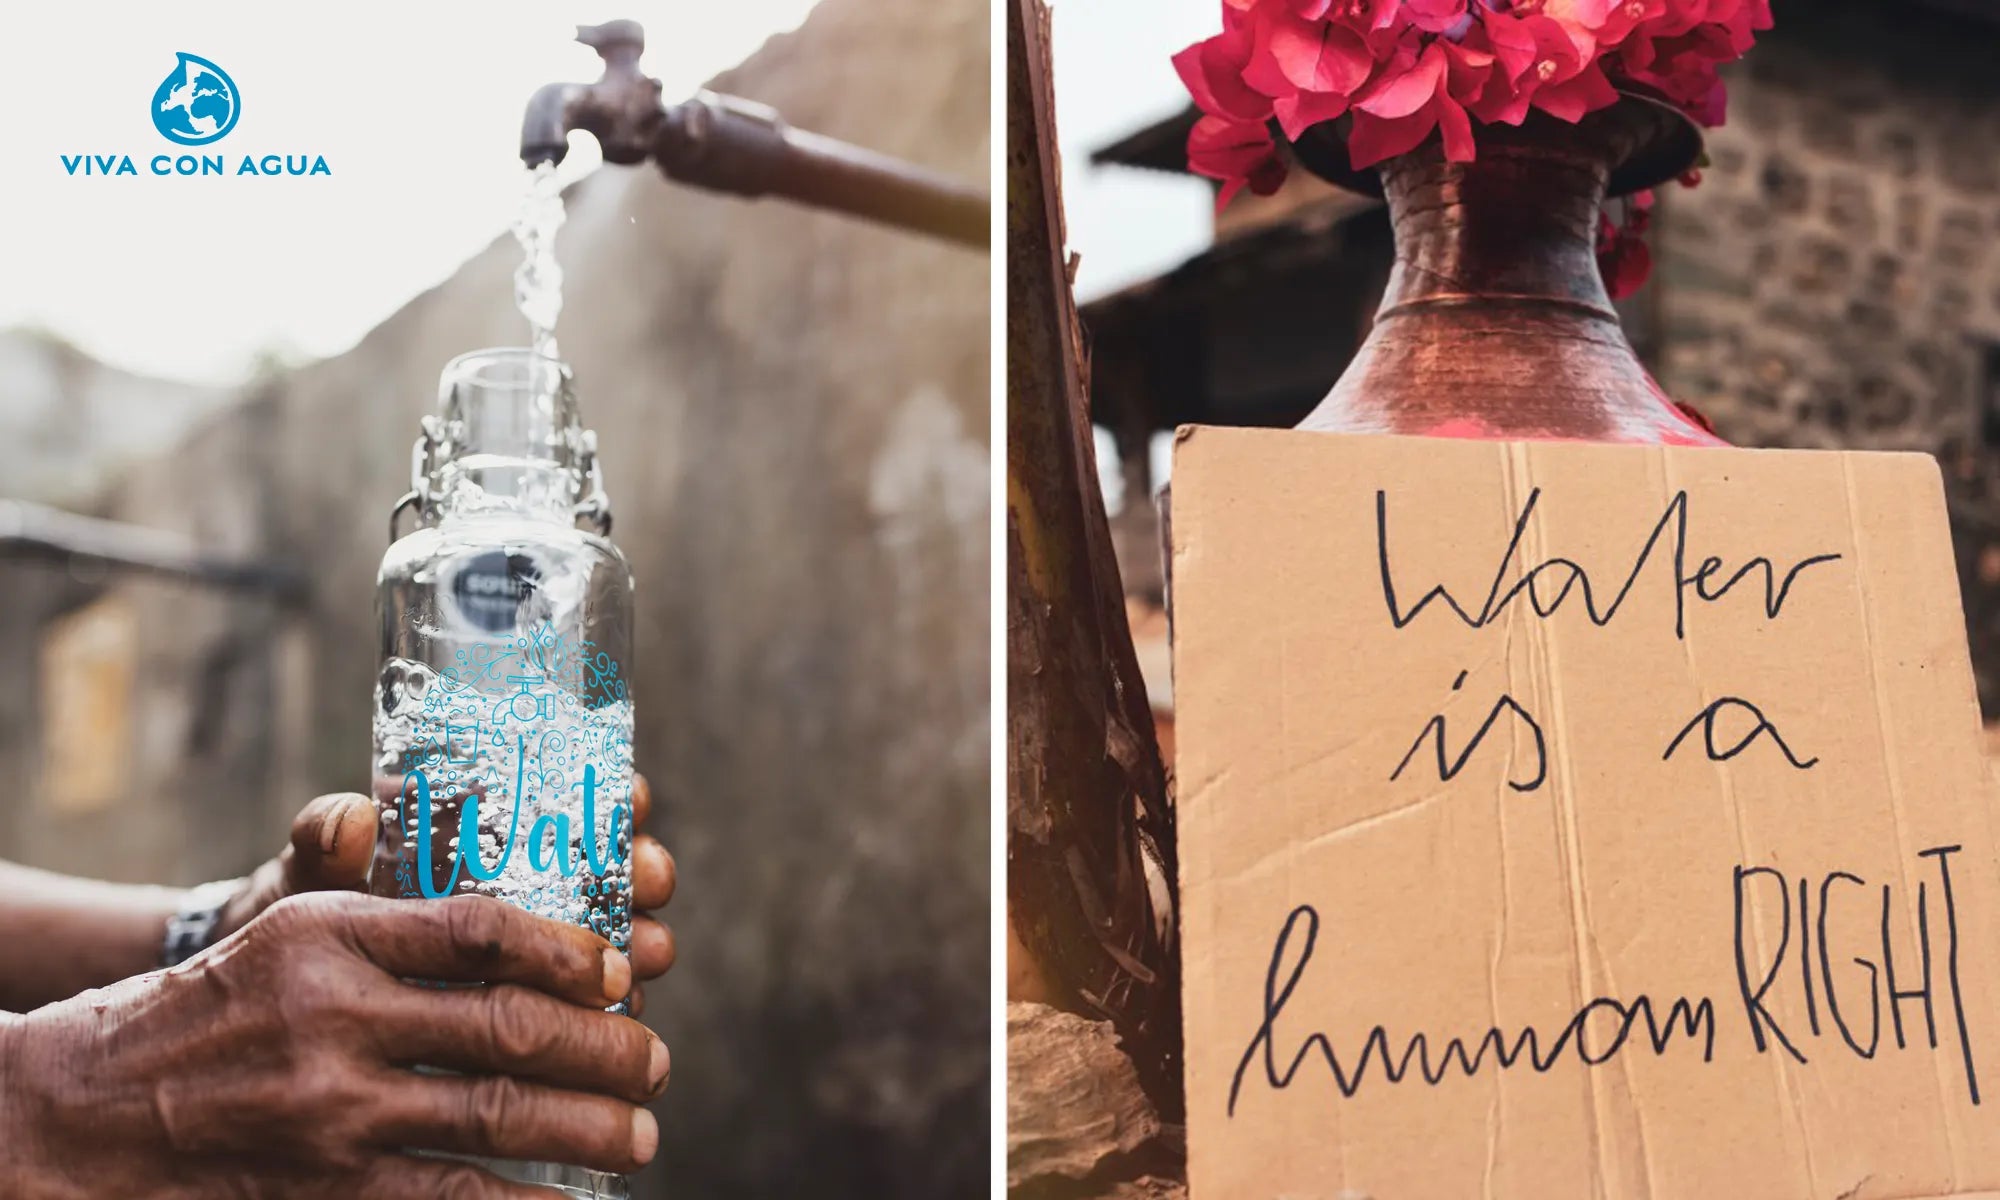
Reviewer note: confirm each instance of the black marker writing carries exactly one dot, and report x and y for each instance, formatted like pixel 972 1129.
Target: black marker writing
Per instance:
pixel 1683 1018
pixel 1567 577
pixel 1604 1027
pixel 1853 1010
pixel 1943 855
pixel 1826 970
pixel 1706 719
pixel 1448 767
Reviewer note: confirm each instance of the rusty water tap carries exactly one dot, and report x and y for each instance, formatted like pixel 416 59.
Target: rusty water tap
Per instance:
pixel 724 144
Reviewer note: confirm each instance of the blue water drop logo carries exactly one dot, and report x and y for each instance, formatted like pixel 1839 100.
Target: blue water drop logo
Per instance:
pixel 196 104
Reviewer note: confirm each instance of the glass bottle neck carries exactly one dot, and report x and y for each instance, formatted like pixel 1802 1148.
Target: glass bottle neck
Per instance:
pixel 507 440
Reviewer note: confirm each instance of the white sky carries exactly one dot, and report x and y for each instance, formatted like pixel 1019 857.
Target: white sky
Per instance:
pixel 415 104
pixel 1113 76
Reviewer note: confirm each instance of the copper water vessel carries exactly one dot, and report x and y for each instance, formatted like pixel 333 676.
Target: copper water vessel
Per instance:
pixel 1496 322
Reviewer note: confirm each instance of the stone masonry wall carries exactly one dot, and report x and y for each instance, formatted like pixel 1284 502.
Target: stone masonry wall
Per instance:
pixel 1835 281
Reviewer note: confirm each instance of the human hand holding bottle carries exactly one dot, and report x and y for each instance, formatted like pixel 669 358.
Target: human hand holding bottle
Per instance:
pixel 276 1059
pixel 277 1062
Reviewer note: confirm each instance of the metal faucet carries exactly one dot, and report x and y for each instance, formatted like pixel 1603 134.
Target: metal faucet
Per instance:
pixel 729 145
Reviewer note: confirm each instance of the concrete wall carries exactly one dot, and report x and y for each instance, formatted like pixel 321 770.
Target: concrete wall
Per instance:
pixel 793 414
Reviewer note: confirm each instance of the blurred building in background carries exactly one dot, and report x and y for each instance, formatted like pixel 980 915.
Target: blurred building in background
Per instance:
pixel 1833 283
pixel 793 411
pixel 69 423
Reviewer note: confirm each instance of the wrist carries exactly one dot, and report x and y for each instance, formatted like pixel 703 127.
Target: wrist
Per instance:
pixel 198 919
pixel 28 1169
pixel 66 935
pixel 79 1111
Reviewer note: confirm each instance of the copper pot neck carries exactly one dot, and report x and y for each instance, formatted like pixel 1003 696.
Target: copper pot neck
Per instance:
pixel 1496 322
pixel 1516 227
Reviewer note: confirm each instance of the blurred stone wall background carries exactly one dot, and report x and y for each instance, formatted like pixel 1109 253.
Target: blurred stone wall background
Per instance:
pixel 1835 281
pixel 793 410
pixel 69 422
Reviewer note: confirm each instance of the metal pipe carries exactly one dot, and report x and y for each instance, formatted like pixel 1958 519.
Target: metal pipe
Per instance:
pixel 37 532
pixel 729 145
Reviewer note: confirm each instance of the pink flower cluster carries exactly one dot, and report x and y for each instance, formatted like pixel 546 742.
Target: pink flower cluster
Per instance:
pixel 1403 69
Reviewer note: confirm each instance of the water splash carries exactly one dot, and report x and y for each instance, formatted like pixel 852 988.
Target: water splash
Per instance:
pixel 538 280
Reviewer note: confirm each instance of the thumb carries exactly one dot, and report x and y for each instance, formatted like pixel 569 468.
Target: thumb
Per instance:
pixel 333 841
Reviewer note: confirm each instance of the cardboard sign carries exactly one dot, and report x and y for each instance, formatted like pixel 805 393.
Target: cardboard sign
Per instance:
pixel 1578 821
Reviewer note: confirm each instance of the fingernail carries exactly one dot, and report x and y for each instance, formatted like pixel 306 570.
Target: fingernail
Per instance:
pixel 645 1136
pixel 617 976
pixel 329 826
pixel 661 1064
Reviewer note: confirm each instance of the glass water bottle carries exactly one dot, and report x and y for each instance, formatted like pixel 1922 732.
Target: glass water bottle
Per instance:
pixel 503 724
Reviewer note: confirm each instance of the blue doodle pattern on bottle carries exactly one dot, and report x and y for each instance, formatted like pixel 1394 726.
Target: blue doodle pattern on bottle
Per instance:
pixel 509 773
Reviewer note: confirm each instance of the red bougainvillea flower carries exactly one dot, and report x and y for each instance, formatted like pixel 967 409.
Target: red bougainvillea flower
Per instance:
pixel 1622 254
pixel 1408 68
pixel 1539 64
pixel 1435 16
pixel 1238 154
pixel 1677 46
pixel 1212 72
pixel 1403 71
pixel 1294 54
pixel 1404 105
pixel 1621 18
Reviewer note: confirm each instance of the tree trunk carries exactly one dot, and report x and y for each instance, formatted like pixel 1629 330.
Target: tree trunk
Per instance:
pixel 1090 860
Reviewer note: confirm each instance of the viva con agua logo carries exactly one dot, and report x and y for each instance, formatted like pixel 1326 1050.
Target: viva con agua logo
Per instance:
pixel 195 106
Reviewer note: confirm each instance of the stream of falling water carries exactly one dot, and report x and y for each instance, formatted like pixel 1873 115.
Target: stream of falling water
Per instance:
pixel 538 280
